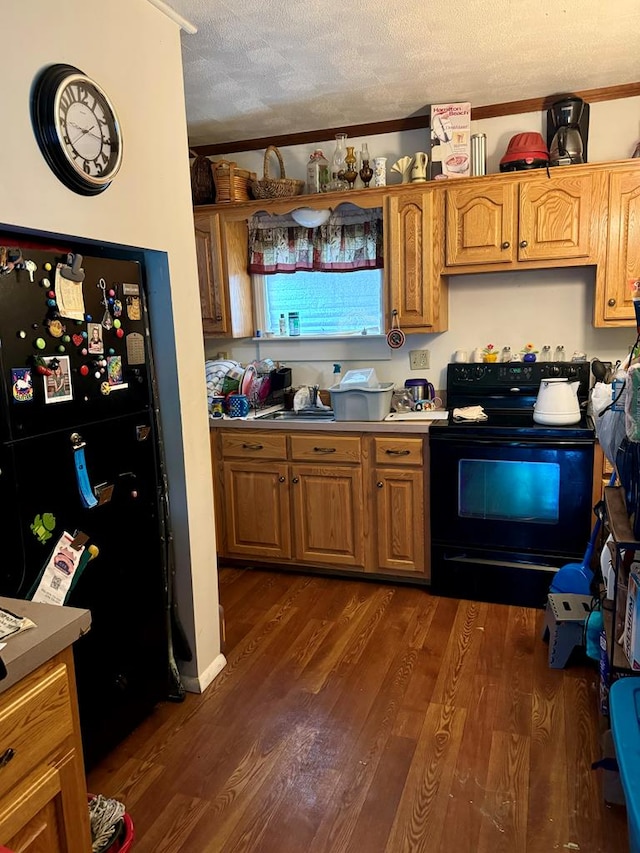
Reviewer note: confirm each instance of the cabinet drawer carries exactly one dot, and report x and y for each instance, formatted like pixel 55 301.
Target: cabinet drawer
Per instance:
pixel 325 447
pixel 398 451
pixel 254 445
pixel 36 717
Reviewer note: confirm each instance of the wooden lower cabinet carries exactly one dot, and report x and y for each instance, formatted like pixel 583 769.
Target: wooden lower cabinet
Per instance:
pixel 349 502
pixel 43 800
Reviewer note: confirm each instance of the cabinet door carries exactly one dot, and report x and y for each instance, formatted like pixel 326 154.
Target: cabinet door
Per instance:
pixel 413 274
pixel 480 224
pixel 400 520
pixel 328 510
pixel 257 509
pixel 45 814
pixel 555 218
pixel 623 249
pixel 210 275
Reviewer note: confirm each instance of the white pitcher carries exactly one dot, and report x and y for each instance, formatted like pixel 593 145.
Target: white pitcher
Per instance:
pixel 419 168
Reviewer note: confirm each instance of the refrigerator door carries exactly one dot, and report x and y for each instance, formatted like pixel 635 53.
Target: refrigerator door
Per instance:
pixel 122 663
pixel 103 357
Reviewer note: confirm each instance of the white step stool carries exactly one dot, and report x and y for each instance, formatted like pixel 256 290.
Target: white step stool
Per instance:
pixel 564 619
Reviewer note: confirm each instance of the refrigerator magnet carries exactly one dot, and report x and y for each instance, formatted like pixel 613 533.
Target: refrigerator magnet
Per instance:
pixel 57 384
pixel 21 384
pixel 94 333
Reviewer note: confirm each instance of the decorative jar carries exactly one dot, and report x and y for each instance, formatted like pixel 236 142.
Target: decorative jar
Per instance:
pixel 338 165
pixel 318 174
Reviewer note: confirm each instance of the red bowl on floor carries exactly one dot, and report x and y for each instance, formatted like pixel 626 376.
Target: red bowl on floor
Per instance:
pixel 124 838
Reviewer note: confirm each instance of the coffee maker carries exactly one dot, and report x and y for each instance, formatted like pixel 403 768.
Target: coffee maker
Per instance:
pixel 567 131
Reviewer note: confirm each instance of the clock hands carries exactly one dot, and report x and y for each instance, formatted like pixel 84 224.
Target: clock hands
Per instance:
pixel 83 132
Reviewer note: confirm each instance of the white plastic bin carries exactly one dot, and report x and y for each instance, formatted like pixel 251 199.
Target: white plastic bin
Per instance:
pixel 361 404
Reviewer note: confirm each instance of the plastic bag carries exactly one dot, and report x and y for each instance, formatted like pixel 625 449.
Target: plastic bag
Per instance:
pixel 632 403
pixel 610 430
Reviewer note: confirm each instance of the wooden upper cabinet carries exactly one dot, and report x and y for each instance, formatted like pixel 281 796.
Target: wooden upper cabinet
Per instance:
pixel 225 284
pixel 555 218
pixel 413 263
pixel 210 275
pixel 623 245
pixel 538 219
pixel 480 224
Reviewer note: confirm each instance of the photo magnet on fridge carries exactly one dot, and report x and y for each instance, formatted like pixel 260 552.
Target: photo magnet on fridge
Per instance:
pixel 57 383
pixel 21 384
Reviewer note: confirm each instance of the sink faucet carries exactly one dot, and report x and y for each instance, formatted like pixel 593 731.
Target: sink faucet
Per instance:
pixel 313 395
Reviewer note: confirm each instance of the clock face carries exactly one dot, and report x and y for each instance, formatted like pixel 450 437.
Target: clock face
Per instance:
pixel 77 129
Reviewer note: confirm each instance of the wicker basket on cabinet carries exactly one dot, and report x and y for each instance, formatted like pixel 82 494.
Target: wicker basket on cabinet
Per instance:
pixel 232 184
pixel 282 187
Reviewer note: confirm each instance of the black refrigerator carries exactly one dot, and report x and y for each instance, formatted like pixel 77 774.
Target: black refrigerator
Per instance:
pixel 82 506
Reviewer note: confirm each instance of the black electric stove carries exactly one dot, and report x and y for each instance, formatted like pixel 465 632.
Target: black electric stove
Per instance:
pixel 511 499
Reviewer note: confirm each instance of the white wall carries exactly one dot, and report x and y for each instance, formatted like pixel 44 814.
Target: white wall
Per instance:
pixel 545 306
pixel 133 51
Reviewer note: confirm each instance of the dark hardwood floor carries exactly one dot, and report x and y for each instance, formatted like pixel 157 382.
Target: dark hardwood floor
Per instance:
pixel 363 717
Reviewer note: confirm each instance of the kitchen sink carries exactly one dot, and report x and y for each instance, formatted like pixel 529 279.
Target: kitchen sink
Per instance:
pixel 302 415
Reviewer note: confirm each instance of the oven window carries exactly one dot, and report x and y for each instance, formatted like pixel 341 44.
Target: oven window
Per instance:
pixel 509 491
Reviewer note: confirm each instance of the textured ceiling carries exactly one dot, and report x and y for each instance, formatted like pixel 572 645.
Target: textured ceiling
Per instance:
pixel 281 66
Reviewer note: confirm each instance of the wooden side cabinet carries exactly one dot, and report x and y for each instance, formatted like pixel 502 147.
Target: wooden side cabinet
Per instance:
pixel 416 290
pixel 43 800
pixel 225 284
pixel 623 245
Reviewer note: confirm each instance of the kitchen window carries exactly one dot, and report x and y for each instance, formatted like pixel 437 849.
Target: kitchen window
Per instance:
pixel 330 275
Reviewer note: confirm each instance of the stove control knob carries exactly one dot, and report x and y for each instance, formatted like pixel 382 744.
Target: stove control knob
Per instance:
pixel 555 370
pixel 479 371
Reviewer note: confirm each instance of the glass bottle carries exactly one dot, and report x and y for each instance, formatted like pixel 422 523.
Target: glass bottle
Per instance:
pixel 338 165
pixel 317 172
pixel 366 172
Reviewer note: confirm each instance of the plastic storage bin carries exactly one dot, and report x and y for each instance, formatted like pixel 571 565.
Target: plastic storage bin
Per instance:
pixel 361 404
pixel 624 706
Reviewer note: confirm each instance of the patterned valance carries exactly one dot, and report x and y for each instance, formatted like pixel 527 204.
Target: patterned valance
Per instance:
pixel 350 240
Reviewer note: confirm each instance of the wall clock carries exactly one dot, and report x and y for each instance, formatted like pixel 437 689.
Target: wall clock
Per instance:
pixel 77 129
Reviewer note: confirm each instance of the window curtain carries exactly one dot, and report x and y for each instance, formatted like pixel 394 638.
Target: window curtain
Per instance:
pixel 350 240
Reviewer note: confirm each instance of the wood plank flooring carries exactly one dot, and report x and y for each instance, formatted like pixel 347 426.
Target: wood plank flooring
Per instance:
pixel 370 718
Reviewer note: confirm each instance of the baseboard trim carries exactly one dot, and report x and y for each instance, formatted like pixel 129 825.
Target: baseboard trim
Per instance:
pixel 199 684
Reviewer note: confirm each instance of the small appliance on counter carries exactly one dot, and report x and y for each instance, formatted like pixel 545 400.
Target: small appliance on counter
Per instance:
pixel 420 389
pixel 568 131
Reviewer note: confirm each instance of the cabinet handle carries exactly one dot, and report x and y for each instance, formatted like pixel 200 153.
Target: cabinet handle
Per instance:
pixel 523 244
pixel 6 757
pixel 506 245
pixel 252 446
pixel 219 318
pixel 324 449
pixel 379 484
pixel 294 480
pixel 283 480
pixel 611 303
pixel 398 452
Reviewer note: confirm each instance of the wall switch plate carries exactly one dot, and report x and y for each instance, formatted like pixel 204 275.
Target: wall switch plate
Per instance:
pixel 419 359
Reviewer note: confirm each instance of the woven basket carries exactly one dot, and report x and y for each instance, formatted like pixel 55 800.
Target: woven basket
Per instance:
pixel 281 187
pixel 232 184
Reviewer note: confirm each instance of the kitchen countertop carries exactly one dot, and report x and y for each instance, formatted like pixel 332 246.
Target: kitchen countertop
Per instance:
pixel 251 422
pixel 56 628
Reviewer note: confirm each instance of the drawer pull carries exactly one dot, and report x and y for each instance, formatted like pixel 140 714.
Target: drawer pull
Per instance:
pixel 611 303
pixel 282 479
pixel 295 480
pixel 398 452
pixel 506 245
pixel 379 484
pixel 523 244
pixel 253 446
pixel 6 757
pixel 324 449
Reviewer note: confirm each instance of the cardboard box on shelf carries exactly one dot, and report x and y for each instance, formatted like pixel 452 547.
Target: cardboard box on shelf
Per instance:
pixel 451 124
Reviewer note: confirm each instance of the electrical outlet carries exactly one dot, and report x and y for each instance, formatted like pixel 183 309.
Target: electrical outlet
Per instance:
pixel 419 359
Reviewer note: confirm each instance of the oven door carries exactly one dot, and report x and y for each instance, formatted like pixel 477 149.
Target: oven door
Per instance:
pixel 502 495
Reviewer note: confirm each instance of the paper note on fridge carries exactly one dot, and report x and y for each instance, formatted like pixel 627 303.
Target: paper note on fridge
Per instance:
pixel 58 573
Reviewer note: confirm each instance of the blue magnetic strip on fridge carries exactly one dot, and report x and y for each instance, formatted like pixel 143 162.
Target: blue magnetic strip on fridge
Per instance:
pixel 89 500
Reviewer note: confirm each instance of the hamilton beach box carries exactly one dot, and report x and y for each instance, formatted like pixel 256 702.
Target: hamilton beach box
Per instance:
pixel 451 123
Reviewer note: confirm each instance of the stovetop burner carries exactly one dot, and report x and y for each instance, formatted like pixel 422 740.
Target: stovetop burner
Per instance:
pixel 507 393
